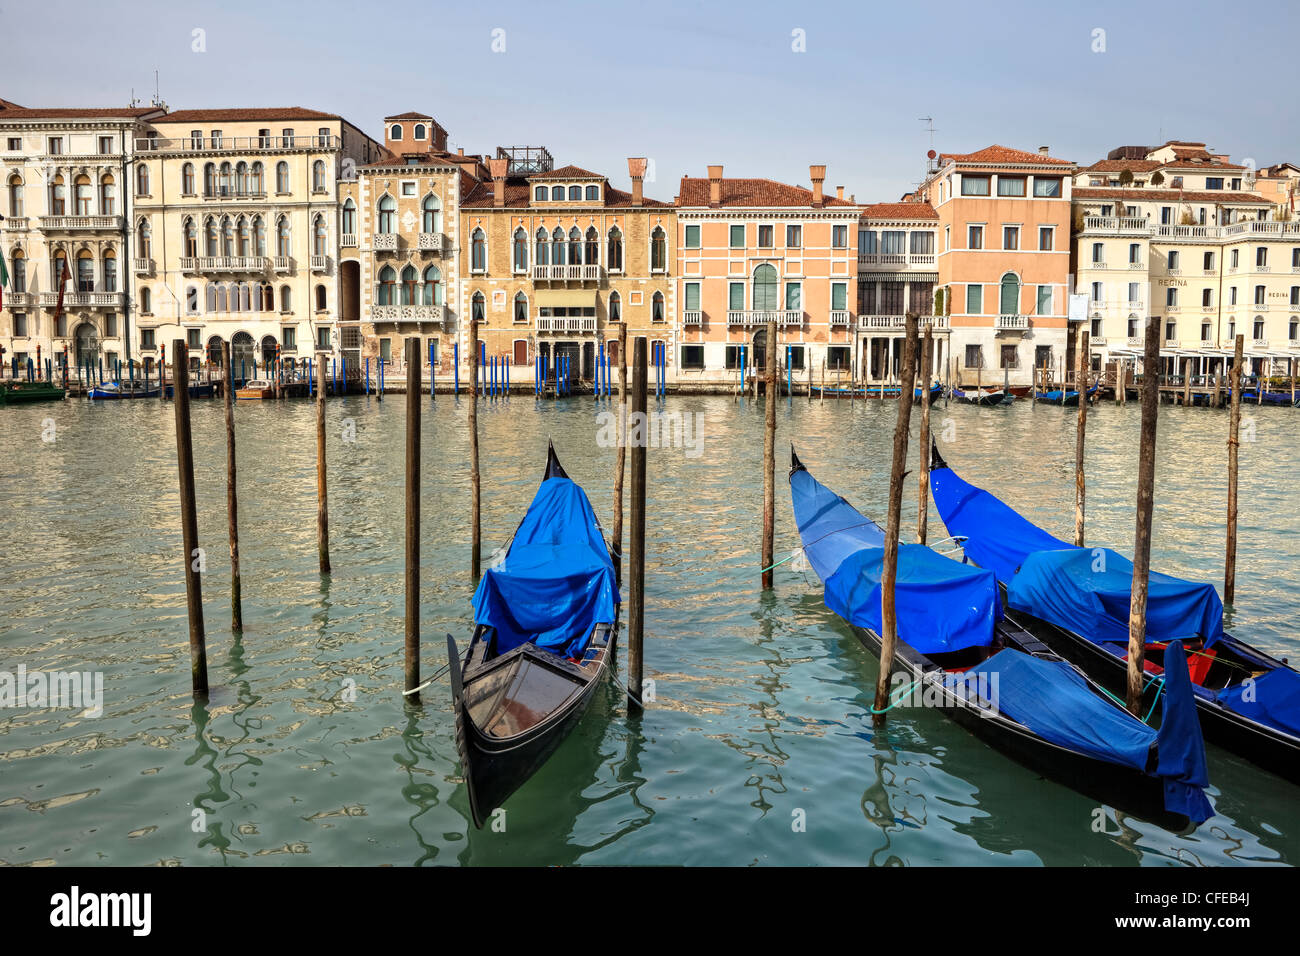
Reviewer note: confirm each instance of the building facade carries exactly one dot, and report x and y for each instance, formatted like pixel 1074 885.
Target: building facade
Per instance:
pixel 1003 260
pixel 753 249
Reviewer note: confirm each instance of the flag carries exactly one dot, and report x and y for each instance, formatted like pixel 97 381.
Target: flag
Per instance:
pixel 4 281
pixel 63 282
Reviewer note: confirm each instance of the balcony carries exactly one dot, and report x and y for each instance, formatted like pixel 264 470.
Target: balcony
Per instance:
pixel 81 223
pixel 1117 225
pixel 896 323
pixel 573 325
pixel 233 144
pixel 749 318
pixel 1255 227
pixel 283 264
pixel 320 263
pixel 895 260
pixel 1096 340
pixel 581 273
pixel 406 313
pixel 83 300
pixel 348 240
pixel 142 266
pixel 20 300
pixel 1137 342
pixel 224 264
pixel 1012 323
pixel 840 318
pixel 384 242
pixel 693 317
pixel 431 242
pixel 16 224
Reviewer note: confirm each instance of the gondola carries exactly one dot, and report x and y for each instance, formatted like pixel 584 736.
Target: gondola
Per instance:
pixel 198 390
pixel 115 391
pixel 1251 397
pixel 1061 397
pixel 1076 600
pixel 995 678
pixel 983 396
pixel 546 620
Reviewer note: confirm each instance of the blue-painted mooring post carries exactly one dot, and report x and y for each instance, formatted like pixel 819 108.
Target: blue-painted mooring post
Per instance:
pixel 431 370
pixel 455 369
pixel 367 376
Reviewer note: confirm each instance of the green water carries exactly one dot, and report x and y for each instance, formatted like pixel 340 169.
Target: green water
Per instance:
pixel 762 701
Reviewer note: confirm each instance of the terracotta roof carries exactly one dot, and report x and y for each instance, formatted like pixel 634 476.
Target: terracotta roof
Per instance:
pixel 239 115
pixel 424 158
pixel 1004 154
pixel 410 115
pixel 751 193
pixel 1208 164
pixel 1179 142
pixel 6 105
pixel 75 112
pixel 1119 165
pixel 899 210
pixel 1167 195
pixel 568 172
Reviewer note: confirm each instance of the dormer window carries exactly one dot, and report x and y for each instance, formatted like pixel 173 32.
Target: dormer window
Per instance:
pixel 539 194
pixel 396 132
pixel 575 194
pixel 419 131
pixel 593 193
pixel 557 194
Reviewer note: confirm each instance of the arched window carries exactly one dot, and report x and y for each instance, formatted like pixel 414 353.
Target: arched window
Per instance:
pixel 209 179
pixel 520 252
pixel 1205 331
pixel 764 298
pixel 558 256
pixel 318 236
pixel 387 215
pixel 557 194
pixel 575 194
pixel 478 251
pixel 268 297
pixel 210 237
pixel 286 299
pixel 146 301
pixel 396 132
pixel 1259 327
pixel 259 236
pixel 657 307
pixel 222 304
pixel 592 253
pixel 593 193
pixel 615 307
pixel 60 271
pixel 243 239
pixel 614 261
pixel 575 246
pixel 349 225
pixel 18 282
pixel 432 293
pixel 144 237
pixel 255 185
pixel 542 245
pixel 521 308
pixel 227 237
pixel 58 197
pixel 282 237
pixel 81 197
pixel 241 178
pixel 192 300
pixel 223 179
pixel 282 177
pixel 318 176
pixel 107 195
pixel 1009 299
pixel 110 271
pixel 431 220
pixel 1293 330
pixel 320 298
pixel 239 297
pixel 387 283
pixel 419 131
pixel 408 285
pixel 659 251
pixel 478 307
pixel 16 196
pixel 187 179
pixel 142 180
pixel 539 194
pixel 191 238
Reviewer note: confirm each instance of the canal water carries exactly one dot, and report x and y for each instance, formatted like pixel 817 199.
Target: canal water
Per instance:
pixel 758 747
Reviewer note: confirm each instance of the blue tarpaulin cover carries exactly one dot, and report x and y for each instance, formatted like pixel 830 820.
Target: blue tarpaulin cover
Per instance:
pixel 557 579
pixel 1055 702
pixel 1273 700
pixel 1083 590
pixel 942 605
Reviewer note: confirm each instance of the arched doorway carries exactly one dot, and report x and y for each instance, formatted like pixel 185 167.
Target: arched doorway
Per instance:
pixel 87 345
pixel 241 355
pixel 269 349
pixel 214 351
pixel 760 351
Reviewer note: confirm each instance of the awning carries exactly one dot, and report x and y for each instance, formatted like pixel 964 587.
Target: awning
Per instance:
pixel 566 298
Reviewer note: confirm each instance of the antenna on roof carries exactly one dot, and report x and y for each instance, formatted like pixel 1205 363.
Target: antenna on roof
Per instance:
pixel 134 102
pixel 157 100
pixel 930 165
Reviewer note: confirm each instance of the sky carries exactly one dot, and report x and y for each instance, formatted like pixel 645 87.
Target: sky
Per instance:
pixel 763 88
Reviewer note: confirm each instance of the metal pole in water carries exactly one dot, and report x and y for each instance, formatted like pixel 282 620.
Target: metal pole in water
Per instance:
pixel 455 369
pixel 636 602
pixel 1080 488
pixel 889 571
pixel 412 648
pixel 1234 444
pixel 923 449
pixel 322 497
pixel 473 452
pixel 190 529
pixel 232 500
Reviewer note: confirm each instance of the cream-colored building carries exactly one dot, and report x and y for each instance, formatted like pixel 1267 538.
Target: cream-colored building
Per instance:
pixel 67 203
pixel 235 231
pixel 1179 234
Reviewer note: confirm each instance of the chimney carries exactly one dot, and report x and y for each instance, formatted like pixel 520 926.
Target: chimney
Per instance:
pixel 1042 150
pixel 460 151
pixel 636 169
pixel 839 192
pixel 715 186
pixel 818 176
pixel 498 167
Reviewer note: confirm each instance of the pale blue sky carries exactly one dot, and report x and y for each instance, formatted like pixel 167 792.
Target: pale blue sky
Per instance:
pixel 690 83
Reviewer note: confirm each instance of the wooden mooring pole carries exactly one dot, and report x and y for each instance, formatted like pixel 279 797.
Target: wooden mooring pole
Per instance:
pixel 923 504
pixel 769 453
pixel 1137 617
pixel 889 574
pixel 1234 443
pixel 1081 384
pixel 190 527
pixel 636 601
pixel 621 458
pixel 232 499
pixel 322 495
pixel 413 404
pixel 475 543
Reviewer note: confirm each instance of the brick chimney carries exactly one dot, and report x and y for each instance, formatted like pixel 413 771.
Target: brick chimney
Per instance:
pixel 715 186
pixel 818 176
pixel 636 169
pixel 839 192
pixel 498 167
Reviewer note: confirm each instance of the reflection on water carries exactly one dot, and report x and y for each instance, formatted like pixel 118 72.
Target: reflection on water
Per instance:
pixel 759 747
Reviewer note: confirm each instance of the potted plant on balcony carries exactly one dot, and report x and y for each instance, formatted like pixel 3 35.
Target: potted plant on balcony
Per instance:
pixel 1157 178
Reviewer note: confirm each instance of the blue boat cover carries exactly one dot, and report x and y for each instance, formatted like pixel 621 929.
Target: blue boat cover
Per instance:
pixel 942 605
pixel 1083 590
pixel 557 579
pixel 1272 700
pixel 1055 702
